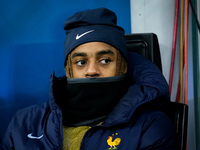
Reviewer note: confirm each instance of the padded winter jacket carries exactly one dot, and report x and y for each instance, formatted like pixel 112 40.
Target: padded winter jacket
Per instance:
pixel 134 124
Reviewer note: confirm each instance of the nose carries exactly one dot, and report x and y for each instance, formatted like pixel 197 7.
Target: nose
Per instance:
pixel 92 71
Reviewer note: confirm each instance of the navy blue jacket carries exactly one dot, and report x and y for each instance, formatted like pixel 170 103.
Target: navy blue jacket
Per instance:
pixel 130 126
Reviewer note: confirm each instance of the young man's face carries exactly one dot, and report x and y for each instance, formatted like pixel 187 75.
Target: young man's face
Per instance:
pixel 94 59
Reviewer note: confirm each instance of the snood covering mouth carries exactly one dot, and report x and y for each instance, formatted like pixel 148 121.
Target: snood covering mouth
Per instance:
pixel 89 101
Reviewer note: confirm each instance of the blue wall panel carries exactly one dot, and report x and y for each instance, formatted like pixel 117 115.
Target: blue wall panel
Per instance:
pixel 31 47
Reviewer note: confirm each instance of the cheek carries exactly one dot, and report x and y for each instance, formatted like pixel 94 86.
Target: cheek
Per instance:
pixel 78 73
pixel 110 71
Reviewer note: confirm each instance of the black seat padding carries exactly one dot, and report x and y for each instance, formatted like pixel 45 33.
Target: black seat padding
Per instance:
pixel 145 44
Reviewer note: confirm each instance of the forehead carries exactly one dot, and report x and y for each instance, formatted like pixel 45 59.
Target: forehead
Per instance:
pixel 93 48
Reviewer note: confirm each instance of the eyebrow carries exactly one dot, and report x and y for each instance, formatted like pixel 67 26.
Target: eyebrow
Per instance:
pixel 100 53
pixel 78 54
pixel 103 52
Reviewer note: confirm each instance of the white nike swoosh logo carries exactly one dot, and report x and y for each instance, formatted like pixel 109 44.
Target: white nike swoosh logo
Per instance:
pixel 79 36
pixel 34 137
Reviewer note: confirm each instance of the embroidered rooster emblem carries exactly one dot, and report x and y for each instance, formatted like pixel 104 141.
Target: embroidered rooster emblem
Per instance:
pixel 112 143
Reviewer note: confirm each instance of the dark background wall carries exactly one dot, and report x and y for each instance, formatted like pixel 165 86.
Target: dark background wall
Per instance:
pixel 31 48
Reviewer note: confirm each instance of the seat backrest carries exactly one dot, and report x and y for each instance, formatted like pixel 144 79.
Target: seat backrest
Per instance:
pixel 178 113
pixel 147 45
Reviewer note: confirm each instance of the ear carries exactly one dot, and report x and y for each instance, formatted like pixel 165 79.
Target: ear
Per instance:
pixel 126 68
pixel 68 67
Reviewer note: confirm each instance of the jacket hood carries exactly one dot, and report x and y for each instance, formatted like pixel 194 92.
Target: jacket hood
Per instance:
pixel 149 88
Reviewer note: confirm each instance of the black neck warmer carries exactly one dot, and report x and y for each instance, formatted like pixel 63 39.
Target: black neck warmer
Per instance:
pixel 88 101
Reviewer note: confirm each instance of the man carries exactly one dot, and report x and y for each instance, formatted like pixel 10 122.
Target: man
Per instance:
pixel 105 102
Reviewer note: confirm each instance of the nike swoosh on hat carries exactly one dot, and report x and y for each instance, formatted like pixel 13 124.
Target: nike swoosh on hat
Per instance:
pixel 79 36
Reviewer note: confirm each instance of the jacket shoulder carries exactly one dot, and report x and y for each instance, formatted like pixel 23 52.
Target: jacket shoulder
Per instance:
pixel 31 115
pixel 37 108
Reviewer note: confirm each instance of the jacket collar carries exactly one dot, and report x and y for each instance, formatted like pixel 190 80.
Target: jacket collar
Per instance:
pixel 136 96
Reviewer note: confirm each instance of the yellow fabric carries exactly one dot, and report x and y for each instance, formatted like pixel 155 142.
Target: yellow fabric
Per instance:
pixel 72 137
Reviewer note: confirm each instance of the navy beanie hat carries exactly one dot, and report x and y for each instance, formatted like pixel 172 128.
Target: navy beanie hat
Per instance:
pixel 96 25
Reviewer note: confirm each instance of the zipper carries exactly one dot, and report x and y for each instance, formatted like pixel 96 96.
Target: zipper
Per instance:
pixel 60 133
pixel 86 136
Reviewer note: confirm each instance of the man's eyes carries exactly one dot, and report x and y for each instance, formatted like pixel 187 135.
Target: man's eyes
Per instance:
pixel 105 61
pixel 81 62
pixel 101 61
